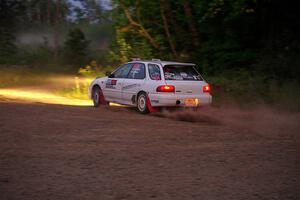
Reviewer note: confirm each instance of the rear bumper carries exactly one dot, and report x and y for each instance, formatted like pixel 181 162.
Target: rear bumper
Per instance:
pixel 171 99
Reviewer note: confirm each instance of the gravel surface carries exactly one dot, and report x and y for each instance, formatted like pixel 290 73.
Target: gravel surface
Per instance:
pixel 68 152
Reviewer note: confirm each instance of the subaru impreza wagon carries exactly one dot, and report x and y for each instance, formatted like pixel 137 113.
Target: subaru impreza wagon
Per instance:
pixel 150 84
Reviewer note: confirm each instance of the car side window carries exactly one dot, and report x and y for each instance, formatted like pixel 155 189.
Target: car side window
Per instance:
pixel 154 72
pixel 122 72
pixel 137 71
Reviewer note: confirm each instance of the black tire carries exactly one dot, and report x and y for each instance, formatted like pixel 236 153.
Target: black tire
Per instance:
pixel 98 97
pixel 142 105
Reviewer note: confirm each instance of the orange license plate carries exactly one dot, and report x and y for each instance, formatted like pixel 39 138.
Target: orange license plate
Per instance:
pixel 191 102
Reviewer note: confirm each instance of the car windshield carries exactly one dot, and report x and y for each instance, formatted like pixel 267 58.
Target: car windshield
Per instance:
pixel 181 72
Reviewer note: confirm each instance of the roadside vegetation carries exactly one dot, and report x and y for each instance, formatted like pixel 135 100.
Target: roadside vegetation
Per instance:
pixel 247 49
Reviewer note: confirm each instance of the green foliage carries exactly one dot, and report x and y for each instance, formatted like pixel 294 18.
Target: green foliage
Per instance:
pixel 35 56
pixel 123 50
pixel 76 48
pixel 93 70
pixel 126 48
pixel 257 36
pixel 9 12
pixel 7 47
pixel 79 88
pixel 90 11
pixel 248 89
pixel 25 75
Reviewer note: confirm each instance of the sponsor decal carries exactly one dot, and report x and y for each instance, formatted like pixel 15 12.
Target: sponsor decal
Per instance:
pixel 155 101
pixel 110 83
pixel 113 82
pixel 127 87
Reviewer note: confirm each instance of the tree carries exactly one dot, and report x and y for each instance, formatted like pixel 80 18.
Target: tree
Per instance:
pixel 57 22
pixel 137 24
pixel 166 26
pixel 76 48
pixel 91 11
pixel 44 12
pixel 190 20
pixel 9 12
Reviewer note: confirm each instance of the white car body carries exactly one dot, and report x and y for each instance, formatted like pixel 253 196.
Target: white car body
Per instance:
pixel 125 90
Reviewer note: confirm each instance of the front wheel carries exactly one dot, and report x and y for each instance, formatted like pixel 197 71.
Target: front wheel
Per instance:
pixel 98 97
pixel 142 105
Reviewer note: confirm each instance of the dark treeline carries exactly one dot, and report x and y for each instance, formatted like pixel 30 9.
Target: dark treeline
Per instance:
pixel 43 32
pixel 260 36
pixel 257 37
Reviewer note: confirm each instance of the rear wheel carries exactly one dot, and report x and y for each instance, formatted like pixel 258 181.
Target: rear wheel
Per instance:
pixel 98 97
pixel 142 105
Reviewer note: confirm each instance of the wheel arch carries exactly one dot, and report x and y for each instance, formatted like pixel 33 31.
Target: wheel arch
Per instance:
pixel 141 91
pixel 95 86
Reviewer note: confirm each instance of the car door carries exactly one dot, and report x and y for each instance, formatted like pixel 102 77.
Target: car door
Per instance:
pixel 113 85
pixel 134 83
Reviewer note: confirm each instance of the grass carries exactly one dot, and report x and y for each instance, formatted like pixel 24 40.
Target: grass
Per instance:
pixel 237 88
pixel 78 90
pixel 248 90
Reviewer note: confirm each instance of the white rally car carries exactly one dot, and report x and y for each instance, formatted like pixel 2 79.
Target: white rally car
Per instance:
pixel 148 85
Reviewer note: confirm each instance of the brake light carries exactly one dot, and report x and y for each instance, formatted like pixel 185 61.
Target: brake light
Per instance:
pixel 206 88
pixel 165 88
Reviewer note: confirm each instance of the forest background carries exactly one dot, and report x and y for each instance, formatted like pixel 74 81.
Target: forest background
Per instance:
pixel 249 50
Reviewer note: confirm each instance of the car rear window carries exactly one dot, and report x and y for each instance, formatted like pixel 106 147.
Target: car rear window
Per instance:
pixel 181 73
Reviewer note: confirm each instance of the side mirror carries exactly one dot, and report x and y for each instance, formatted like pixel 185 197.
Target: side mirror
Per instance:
pixel 107 73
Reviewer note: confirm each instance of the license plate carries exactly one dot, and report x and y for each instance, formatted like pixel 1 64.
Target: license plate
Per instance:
pixel 191 102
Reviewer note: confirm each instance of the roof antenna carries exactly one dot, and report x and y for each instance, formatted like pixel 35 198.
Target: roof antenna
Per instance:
pixel 155 59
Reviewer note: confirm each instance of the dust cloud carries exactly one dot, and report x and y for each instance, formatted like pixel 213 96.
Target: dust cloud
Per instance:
pixel 260 119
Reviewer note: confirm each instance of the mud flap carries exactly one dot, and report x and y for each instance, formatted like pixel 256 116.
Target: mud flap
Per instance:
pixel 150 108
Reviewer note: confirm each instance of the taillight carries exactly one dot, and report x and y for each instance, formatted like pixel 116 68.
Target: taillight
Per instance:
pixel 165 88
pixel 206 88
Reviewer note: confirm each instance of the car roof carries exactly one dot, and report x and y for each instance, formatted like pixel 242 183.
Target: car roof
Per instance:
pixel 163 63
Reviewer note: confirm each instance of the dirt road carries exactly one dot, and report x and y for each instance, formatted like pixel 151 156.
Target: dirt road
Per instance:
pixel 68 152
